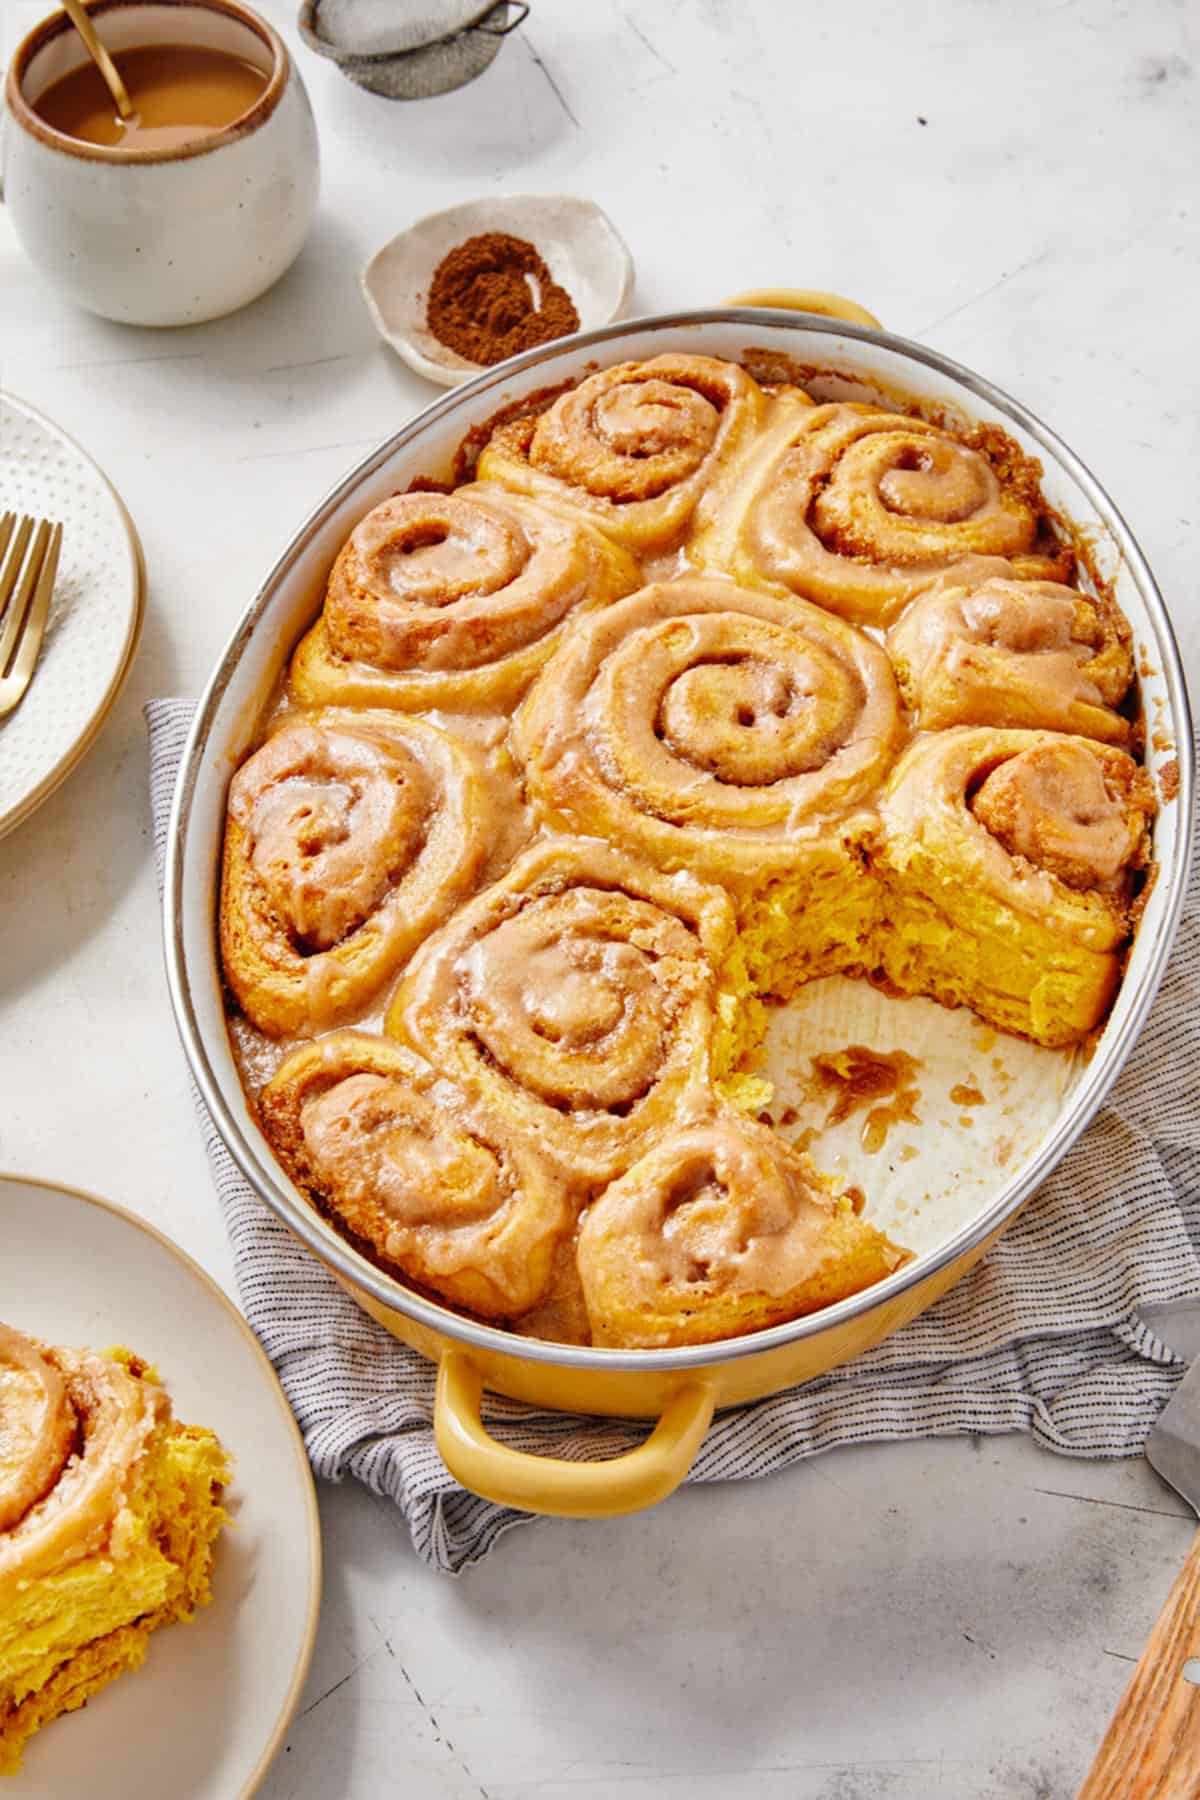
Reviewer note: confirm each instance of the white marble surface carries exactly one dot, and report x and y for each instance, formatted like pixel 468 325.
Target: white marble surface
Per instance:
pixel 1012 183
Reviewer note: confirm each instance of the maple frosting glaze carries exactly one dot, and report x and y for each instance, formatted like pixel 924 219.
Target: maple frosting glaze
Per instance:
pixel 991 651
pixel 328 816
pixel 721 1227
pixel 432 1183
pixel 713 728
pixel 576 997
pixel 453 600
pixel 1010 811
pixel 633 447
pixel 349 837
pixel 1064 807
pixel 585 761
pixel 37 1426
pixel 858 509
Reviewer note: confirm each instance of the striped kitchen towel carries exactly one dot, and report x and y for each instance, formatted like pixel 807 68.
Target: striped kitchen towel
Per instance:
pixel 1045 1335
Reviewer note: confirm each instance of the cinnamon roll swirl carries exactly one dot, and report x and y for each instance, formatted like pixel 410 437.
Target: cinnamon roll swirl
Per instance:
pixel 575 999
pixel 857 508
pixel 349 836
pixel 720 1229
pixel 710 728
pixel 734 734
pixel 1010 859
pixel 453 600
pixel 437 1187
pixel 632 447
pixel 1029 654
pixel 109 1509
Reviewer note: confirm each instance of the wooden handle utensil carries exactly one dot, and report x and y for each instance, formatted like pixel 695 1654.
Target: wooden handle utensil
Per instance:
pixel 1151 1750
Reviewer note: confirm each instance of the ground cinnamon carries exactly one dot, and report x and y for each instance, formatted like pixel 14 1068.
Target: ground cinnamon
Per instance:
pixel 493 296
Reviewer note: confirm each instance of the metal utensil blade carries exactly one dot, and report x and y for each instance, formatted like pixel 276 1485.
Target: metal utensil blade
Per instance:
pixel 1173 1447
pixel 1177 1323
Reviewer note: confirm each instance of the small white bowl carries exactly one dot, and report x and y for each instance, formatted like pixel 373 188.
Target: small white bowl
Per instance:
pixel 580 245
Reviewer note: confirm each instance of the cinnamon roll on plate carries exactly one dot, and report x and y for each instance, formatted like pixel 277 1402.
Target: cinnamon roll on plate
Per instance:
pixel 109 1510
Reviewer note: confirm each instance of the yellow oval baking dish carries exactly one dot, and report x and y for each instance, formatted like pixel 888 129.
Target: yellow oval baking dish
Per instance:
pixel 681 1388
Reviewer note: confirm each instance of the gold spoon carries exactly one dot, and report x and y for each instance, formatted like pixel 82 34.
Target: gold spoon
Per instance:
pixel 74 10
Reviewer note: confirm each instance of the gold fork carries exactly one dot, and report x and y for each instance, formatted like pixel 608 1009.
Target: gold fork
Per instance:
pixel 23 612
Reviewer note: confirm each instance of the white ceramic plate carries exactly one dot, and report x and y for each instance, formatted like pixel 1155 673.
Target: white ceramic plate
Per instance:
pixel 207 1711
pixel 582 248
pixel 95 617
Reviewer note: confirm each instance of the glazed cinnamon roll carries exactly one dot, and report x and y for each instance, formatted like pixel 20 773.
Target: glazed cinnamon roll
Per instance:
pixel 710 728
pixel 1027 654
pixel 453 600
pixel 633 446
pixel 109 1509
pixel 431 1182
pixel 1010 859
pixel 575 999
pixel 734 734
pixel 349 836
pixel 858 508
pixel 720 1229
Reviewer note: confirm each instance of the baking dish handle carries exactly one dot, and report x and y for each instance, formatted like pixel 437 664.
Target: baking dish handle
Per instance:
pixel 809 300
pixel 548 1484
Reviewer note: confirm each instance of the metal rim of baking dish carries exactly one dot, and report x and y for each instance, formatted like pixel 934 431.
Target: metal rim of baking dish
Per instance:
pixel 270 1183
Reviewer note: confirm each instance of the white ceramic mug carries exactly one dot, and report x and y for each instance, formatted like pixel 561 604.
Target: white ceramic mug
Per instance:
pixel 162 237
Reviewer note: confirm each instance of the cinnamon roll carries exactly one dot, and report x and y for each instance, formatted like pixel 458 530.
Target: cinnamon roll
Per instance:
pixel 575 999
pixel 720 1229
pixel 109 1509
pixel 732 733
pixel 433 1184
pixel 453 600
pixel 1029 654
pixel 349 836
pixel 710 728
pixel 632 447
pixel 1009 859
pixel 857 508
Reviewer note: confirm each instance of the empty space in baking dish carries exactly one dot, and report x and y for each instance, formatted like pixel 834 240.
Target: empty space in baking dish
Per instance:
pixel 934 1173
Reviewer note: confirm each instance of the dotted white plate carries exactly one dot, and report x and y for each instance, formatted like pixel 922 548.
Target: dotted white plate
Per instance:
pixel 207 1711
pixel 95 617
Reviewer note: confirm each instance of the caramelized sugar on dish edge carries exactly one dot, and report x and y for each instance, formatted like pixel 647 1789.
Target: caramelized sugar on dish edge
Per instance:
pixel 741 690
